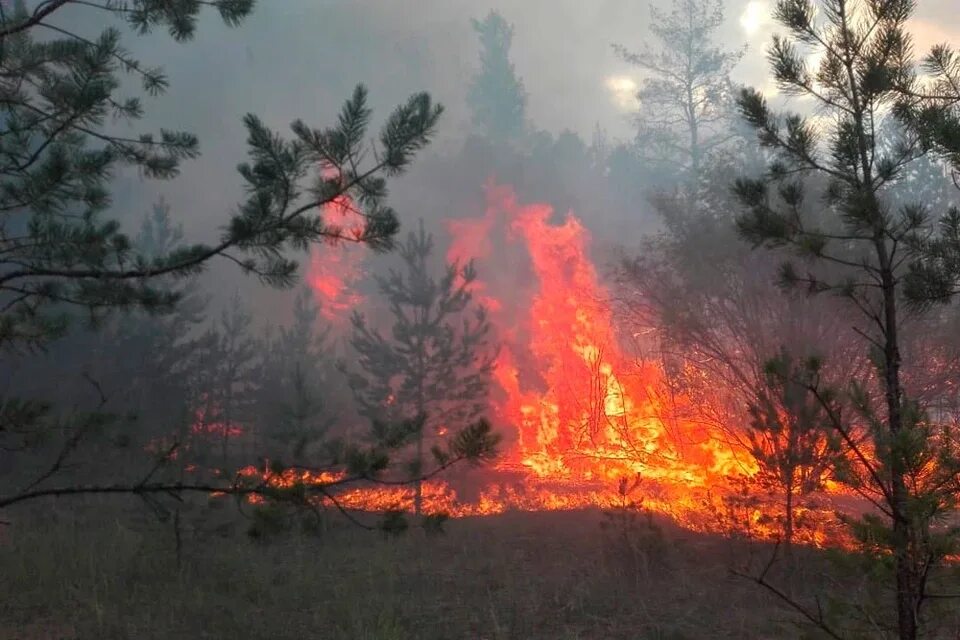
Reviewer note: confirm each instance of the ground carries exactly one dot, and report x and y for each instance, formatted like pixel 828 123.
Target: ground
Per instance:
pixel 104 572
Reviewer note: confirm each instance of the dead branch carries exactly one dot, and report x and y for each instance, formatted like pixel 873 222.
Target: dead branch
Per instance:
pixel 817 619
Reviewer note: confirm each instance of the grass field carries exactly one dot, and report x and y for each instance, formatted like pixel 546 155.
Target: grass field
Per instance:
pixel 101 572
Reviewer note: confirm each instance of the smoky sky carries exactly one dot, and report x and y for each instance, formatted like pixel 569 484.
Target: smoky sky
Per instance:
pixel 302 58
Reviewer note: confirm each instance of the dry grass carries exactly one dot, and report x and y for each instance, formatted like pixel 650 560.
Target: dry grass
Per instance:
pixel 70 574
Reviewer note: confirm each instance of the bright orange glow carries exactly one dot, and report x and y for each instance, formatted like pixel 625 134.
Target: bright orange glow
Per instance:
pixel 579 412
pixel 290 477
pixel 334 271
pixel 593 412
pixel 585 412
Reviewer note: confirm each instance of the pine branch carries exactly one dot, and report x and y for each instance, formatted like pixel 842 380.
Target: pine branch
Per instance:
pixel 44 9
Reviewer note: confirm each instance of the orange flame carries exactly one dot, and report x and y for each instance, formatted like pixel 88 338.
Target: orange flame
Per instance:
pixel 579 411
pixel 207 422
pixel 590 412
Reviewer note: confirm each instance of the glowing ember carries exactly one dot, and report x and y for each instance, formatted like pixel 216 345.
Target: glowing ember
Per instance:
pixel 208 423
pixel 290 477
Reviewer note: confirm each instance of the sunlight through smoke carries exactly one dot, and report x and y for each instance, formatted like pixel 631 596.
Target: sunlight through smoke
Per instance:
pixel 623 91
pixel 755 15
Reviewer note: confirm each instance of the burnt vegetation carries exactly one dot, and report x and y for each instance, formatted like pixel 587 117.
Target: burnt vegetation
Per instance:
pixel 395 390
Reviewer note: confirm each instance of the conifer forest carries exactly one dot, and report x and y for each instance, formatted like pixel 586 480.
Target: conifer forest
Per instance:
pixel 453 320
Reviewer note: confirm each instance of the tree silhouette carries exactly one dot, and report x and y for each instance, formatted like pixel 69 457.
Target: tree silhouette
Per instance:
pixel 434 366
pixel 496 95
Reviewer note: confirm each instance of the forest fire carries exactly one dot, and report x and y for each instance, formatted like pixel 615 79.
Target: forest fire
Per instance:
pixel 581 416
pixel 692 369
pixel 594 414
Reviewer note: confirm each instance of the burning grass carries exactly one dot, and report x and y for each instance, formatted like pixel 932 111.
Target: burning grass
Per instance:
pixel 578 411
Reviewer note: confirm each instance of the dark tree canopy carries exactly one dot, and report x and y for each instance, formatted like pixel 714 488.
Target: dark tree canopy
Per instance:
pixel 496 95
pixel 300 390
pixel 62 253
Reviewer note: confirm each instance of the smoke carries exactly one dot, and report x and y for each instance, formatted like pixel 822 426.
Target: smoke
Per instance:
pixel 301 58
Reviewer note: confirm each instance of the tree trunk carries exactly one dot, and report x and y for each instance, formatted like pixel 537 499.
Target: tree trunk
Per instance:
pixel 226 429
pixel 908 584
pixel 418 481
pixel 788 524
pixel 421 416
pixel 694 127
pixel 418 488
pixel 908 595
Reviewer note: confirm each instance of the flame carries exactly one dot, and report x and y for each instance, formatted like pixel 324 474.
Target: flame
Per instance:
pixel 291 477
pixel 208 423
pixel 334 273
pixel 581 414
pixel 591 412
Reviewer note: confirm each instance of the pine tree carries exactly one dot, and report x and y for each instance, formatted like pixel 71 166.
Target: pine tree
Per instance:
pixel 149 355
pixel 62 256
pixel 58 152
pixel 932 109
pixel 140 360
pixel 687 114
pixel 434 367
pixel 790 438
pixel 300 387
pixel 496 95
pixel 908 466
pixel 227 409
pixel 932 112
